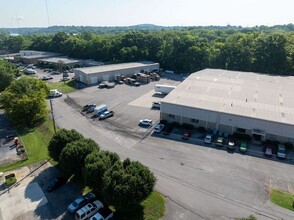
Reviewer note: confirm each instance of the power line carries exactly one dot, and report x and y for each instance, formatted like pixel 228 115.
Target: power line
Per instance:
pixel 47 13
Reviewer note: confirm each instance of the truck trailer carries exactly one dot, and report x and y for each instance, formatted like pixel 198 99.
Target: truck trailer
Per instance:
pixel 164 89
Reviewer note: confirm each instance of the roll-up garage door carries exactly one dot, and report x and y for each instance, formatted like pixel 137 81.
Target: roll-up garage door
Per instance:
pixel 105 77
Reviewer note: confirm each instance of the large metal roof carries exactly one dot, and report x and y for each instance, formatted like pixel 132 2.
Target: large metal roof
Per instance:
pixel 114 67
pixel 254 95
pixel 63 60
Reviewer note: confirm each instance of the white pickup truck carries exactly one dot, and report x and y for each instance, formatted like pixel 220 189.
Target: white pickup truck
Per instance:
pixel 103 214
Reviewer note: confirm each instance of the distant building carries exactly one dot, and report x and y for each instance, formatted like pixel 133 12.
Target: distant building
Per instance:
pixel 96 74
pixel 32 57
pixel 59 62
pixel 259 105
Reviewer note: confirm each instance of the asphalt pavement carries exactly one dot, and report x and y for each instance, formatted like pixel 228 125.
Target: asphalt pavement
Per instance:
pixel 200 182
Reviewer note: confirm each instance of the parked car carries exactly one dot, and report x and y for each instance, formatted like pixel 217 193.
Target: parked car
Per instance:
pixel 91 109
pixel 103 214
pixel 167 129
pixel 186 135
pixel 268 151
pixel 158 128
pixel 243 147
pixel 86 107
pixel 156 105
pixel 231 144
pixel 145 122
pixel 106 114
pixel 208 139
pixel 88 210
pixel 55 183
pixel 220 141
pixel 81 201
pixel 281 151
pixel 64 78
pixel 47 77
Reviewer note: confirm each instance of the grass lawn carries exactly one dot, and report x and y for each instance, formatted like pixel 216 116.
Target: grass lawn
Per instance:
pixel 282 199
pixel 151 208
pixel 36 142
pixel 64 87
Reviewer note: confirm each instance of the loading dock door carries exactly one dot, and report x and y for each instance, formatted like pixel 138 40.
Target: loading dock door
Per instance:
pixel 105 77
pixel 94 79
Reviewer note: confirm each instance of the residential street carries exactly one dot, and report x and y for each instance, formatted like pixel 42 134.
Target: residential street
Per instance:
pixel 200 182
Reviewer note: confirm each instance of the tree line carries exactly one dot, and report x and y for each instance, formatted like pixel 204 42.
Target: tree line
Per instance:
pixel 187 50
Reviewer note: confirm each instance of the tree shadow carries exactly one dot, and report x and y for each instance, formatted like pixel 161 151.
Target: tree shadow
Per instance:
pixel 135 212
pixel 50 205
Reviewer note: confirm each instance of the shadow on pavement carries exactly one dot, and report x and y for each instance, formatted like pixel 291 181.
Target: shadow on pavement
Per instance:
pixel 54 204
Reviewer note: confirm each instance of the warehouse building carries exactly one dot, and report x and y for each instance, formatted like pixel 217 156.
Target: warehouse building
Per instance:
pixel 259 105
pixel 32 56
pixel 59 62
pixel 96 74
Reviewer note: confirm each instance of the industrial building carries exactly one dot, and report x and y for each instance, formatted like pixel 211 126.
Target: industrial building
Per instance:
pixel 59 62
pixel 96 74
pixel 32 57
pixel 259 105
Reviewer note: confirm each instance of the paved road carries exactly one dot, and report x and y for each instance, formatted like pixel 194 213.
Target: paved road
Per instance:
pixel 199 182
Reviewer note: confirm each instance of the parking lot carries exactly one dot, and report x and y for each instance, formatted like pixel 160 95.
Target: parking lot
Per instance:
pixel 130 104
pixel 28 199
pixel 40 73
pixel 7 147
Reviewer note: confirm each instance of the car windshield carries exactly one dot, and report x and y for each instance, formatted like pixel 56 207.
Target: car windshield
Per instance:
pixel 77 202
pixel 282 151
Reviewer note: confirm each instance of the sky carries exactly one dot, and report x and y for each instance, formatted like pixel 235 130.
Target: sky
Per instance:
pixel 246 13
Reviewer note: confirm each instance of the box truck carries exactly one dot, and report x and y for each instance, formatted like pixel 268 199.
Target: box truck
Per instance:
pixel 55 93
pixel 164 89
pixel 100 109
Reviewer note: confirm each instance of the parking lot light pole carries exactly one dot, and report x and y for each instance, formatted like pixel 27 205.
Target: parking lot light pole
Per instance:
pixel 52 115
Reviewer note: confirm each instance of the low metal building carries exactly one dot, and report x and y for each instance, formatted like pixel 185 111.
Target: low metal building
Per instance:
pixel 96 74
pixel 59 62
pixel 260 105
pixel 32 57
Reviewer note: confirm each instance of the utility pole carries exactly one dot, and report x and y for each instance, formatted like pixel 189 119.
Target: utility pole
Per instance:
pixel 52 115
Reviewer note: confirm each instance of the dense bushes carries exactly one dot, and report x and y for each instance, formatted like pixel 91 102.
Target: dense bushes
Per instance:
pixel 120 183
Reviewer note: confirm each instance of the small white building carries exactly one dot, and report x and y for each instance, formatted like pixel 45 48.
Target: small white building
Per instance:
pixel 96 74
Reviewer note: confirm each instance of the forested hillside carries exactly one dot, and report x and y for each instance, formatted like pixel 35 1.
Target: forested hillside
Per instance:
pixel 185 50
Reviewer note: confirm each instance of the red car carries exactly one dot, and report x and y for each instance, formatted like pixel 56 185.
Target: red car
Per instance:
pixel 268 151
pixel 186 135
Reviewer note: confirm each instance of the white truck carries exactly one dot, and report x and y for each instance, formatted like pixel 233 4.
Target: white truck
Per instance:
pixel 30 71
pixel 100 109
pixel 55 93
pixel 164 89
pixel 103 214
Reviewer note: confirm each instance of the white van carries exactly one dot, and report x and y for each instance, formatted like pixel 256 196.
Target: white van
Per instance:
pixel 281 151
pixel 88 210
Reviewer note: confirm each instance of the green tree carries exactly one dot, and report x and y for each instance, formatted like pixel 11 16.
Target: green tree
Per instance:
pixel 128 183
pixel 73 156
pixel 59 141
pixel 24 101
pixel 7 74
pixel 96 164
